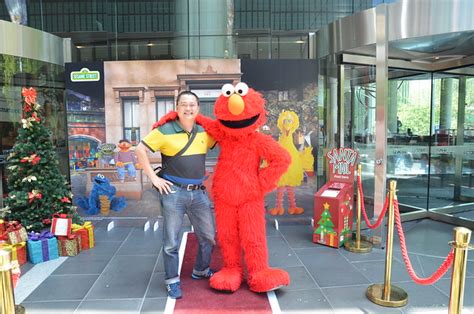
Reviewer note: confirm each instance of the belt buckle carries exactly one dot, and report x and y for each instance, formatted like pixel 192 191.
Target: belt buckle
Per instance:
pixel 190 187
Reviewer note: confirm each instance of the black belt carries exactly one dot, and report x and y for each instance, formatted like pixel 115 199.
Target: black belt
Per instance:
pixel 190 187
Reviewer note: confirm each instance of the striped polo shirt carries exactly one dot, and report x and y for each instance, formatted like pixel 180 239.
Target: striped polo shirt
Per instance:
pixel 169 139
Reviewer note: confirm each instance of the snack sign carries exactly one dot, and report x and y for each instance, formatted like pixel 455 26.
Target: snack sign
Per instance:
pixel 342 163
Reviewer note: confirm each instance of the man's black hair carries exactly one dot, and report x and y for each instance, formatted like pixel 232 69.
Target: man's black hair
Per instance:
pixel 187 92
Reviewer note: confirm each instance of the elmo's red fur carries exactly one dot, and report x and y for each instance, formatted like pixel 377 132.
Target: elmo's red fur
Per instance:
pixel 239 187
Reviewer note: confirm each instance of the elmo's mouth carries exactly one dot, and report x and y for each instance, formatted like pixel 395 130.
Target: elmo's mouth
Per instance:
pixel 239 124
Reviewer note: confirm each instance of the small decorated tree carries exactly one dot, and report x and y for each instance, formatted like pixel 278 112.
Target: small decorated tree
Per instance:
pixel 325 224
pixel 37 189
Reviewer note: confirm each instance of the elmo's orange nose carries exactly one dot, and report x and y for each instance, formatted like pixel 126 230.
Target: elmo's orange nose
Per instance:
pixel 236 104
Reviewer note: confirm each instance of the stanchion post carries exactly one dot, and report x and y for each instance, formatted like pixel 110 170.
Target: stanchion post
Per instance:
pixel 7 304
pixel 358 246
pixel 462 237
pixel 388 294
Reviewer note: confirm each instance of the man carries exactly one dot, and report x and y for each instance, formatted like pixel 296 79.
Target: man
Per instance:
pixel 180 187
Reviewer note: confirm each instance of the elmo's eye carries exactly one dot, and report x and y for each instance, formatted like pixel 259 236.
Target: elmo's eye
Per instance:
pixel 227 90
pixel 242 89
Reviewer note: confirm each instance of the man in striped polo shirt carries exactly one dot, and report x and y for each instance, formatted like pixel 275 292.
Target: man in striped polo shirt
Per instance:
pixel 180 187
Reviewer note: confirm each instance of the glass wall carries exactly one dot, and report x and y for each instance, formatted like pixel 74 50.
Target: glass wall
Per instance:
pixel 182 29
pixel 430 138
pixel 48 80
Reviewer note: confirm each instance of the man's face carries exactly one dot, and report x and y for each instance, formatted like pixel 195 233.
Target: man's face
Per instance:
pixel 187 108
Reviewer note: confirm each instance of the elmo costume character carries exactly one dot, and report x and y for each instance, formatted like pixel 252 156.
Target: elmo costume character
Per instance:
pixel 239 186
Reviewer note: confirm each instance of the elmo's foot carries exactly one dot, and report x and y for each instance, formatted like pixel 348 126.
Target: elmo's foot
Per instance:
pixel 268 279
pixel 277 211
pixel 295 210
pixel 227 279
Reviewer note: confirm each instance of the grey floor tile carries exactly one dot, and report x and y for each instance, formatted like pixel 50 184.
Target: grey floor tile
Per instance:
pixel 160 267
pixel 107 248
pixel 445 286
pixel 424 299
pixel 26 267
pixel 374 255
pixel 53 307
pixel 154 306
pixel 63 288
pixel 303 301
pixel 83 264
pixel 375 271
pixel 431 264
pixel 124 277
pixel 271 229
pixel 329 268
pixel 427 237
pixel 298 236
pixel 280 254
pixel 142 243
pixel 157 286
pixel 116 234
pixel 353 300
pixel 128 306
pixel 300 279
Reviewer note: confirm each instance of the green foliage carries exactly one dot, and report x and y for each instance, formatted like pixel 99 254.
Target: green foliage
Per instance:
pixel 37 188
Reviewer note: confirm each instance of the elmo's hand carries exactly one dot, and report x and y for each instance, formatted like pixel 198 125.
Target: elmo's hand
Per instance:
pixel 170 116
pixel 119 164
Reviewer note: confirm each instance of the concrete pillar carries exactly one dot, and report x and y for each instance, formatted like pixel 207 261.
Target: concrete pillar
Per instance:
pixel 392 106
pixel 446 104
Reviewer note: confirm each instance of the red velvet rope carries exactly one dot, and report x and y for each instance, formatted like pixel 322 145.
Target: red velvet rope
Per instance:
pixel 382 214
pixel 421 281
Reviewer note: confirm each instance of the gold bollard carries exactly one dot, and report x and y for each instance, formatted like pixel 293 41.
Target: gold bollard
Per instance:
pixel 462 237
pixel 386 294
pixel 358 246
pixel 7 305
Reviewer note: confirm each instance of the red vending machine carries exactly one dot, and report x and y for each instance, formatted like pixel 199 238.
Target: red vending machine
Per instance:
pixel 333 203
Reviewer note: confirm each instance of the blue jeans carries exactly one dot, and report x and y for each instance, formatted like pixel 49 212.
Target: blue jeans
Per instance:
pixel 197 206
pixel 132 172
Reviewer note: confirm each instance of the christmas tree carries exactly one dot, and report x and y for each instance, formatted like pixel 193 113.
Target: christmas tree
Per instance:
pixel 326 226
pixel 37 189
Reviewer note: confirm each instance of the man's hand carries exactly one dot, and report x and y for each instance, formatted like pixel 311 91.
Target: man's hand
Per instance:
pixel 170 116
pixel 162 185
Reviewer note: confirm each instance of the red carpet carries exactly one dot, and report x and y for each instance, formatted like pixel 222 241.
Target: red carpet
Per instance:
pixel 199 297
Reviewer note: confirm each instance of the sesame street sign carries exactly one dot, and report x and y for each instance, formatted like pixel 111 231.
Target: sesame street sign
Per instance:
pixel 85 75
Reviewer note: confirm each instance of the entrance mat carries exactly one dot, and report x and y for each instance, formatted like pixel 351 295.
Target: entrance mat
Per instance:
pixel 199 297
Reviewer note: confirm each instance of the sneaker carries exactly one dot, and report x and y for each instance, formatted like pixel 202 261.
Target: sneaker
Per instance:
pixel 207 275
pixel 174 290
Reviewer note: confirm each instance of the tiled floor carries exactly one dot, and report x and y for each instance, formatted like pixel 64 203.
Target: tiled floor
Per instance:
pixel 124 273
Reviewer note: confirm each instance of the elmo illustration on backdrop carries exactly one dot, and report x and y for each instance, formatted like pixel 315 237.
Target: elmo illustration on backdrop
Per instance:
pixel 239 186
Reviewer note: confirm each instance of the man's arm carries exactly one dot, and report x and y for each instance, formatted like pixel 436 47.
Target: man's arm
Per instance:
pixel 161 184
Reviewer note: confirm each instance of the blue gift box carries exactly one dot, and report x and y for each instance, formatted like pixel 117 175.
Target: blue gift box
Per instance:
pixel 42 247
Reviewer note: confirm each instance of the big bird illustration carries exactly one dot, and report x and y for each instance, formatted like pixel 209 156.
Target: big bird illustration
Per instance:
pixel 239 186
pixel 288 122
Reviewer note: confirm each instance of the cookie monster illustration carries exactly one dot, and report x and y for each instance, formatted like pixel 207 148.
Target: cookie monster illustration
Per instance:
pixel 102 198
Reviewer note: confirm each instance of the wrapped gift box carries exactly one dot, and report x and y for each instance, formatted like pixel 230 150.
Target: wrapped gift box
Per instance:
pixel 14 232
pixel 18 251
pixel 86 232
pixel 42 247
pixel 69 246
pixel 61 225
